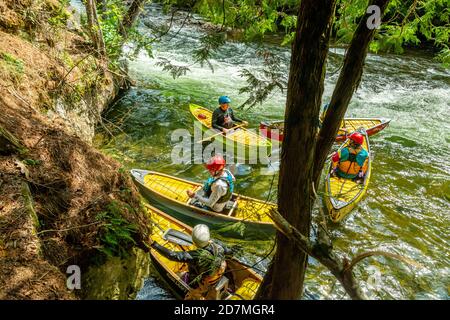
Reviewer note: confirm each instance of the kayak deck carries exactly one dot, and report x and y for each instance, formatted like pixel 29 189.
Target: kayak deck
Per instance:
pixel 240 135
pixel 353 124
pixel 157 236
pixel 348 125
pixel 344 190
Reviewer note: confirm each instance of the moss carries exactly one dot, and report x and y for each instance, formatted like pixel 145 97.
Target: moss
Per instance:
pixel 116 278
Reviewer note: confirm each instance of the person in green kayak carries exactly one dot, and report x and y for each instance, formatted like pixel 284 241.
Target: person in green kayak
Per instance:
pixel 351 162
pixel 223 118
pixel 206 263
pixel 218 189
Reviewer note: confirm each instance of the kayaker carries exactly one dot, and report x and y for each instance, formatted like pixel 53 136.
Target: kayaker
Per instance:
pixel 218 189
pixel 206 263
pixel 350 162
pixel 223 117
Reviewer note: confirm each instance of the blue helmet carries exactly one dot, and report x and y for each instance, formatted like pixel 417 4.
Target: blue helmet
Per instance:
pixel 224 99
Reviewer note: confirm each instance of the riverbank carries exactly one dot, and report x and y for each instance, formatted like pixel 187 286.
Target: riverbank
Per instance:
pixel 62 202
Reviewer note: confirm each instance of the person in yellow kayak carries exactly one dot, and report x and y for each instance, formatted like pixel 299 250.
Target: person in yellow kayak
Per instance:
pixel 218 189
pixel 351 162
pixel 223 118
pixel 206 263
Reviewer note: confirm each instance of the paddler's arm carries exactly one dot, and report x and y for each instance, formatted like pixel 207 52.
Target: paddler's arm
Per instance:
pixel 215 121
pixel 236 119
pixel 217 191
pixel 180 256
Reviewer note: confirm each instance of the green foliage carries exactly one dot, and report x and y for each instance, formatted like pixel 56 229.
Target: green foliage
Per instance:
pixel 60 14
pixel 175 70
pixel 261 84
pixel 11 67
pixel 209 264
pixel 444 56
pixel 406 23
pixel 111 15
pixel 210 43
pixel 116 235
pixel 32 162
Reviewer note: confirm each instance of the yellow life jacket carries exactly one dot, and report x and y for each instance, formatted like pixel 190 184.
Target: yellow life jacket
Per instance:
pixel 350 166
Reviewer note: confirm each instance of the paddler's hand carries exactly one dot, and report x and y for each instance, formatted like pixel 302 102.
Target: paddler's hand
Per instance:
pixel 360 174
pixel 225 130
pixel 190 193
pixel 245 123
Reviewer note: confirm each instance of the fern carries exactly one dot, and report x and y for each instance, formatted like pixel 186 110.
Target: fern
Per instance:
pixel 116 235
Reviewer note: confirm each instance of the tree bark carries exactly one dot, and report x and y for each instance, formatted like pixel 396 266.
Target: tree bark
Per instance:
pixel 94 28
pixel 348 82
pixel 341 269
pixel 305 87
pixel 130 16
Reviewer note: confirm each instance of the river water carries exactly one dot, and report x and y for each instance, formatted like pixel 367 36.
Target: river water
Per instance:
pixel 406 209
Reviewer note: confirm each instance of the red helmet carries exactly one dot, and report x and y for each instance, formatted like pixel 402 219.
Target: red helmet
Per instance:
pixel 216 163
pixel 357 138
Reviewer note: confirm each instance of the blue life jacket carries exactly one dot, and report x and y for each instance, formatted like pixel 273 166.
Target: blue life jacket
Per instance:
pixel 228 179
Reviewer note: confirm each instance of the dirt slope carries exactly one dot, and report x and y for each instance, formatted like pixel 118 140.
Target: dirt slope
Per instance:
pixel 53 187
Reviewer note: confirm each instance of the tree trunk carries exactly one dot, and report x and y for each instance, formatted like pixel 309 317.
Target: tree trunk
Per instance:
pixel 131 16
pixel 305 87
pixel 94 28
pixel 347 84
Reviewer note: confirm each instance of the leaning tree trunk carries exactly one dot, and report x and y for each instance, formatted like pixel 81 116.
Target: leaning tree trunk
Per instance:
pixel 94 28
pixel 130 16
pixel 286 273
pixel 347 84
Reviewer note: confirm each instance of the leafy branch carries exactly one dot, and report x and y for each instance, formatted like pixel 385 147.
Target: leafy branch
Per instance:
pixel 175 70
pixel 261 84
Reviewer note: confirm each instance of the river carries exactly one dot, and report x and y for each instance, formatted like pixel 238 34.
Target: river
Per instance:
pixel 406 209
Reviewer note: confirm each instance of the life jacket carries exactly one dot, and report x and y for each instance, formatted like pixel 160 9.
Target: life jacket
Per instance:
pixel 225 119
pixel 208 279
pixel 207 188
pixel 349 168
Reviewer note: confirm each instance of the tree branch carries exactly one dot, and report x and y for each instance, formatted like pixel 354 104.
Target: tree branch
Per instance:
pixel 364 255
pixel 130 17
pixel 341 269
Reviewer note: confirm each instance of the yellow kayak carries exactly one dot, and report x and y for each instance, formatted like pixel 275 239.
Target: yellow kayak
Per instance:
pixel 239 137
pixel 342 195
pixel 169 192
pixel 239 282
pixel 348 125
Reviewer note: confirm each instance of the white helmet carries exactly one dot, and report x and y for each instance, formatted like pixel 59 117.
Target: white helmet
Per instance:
pixel 200 235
